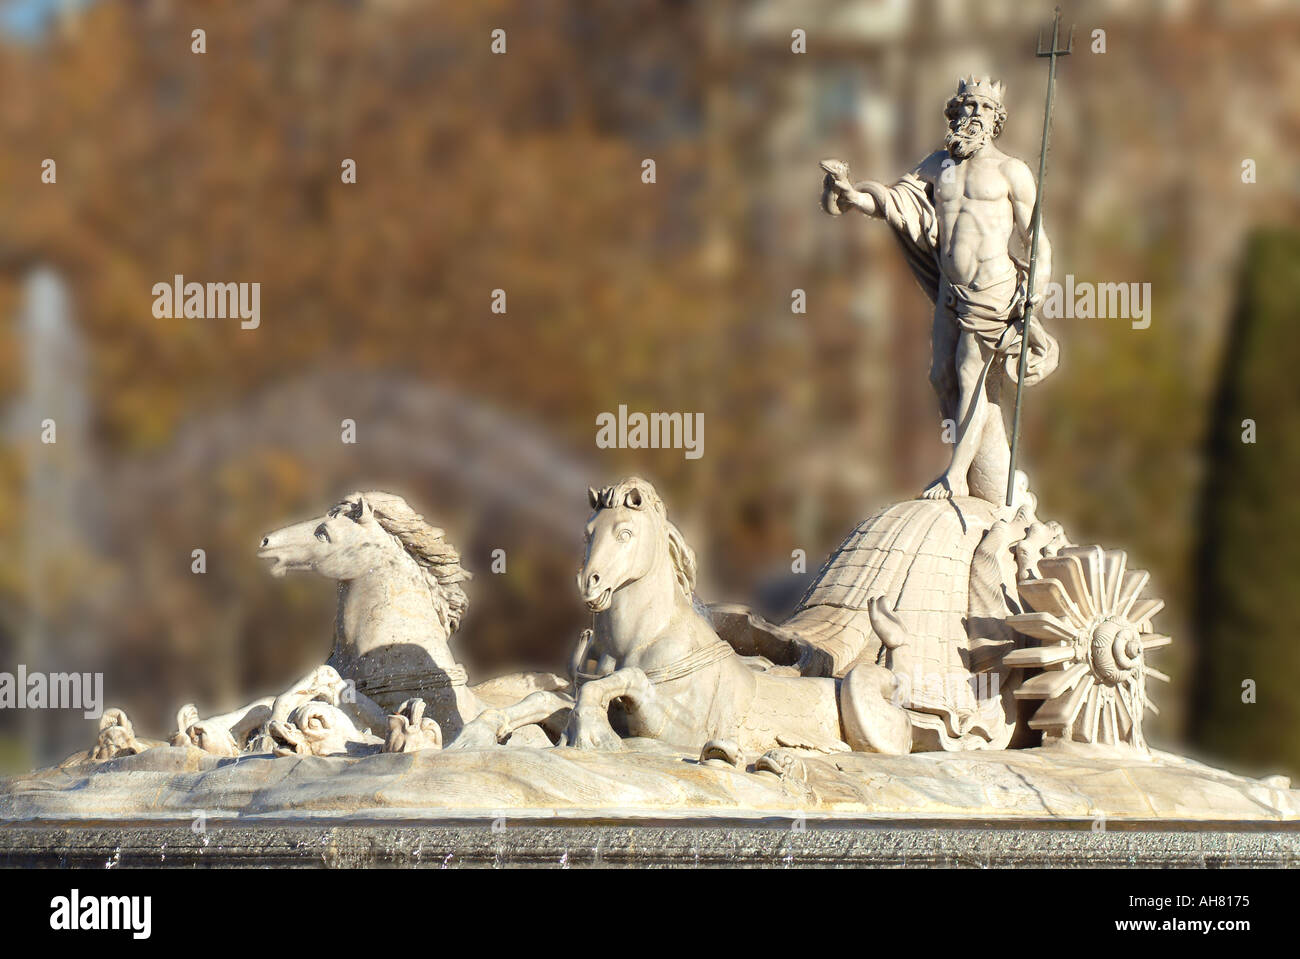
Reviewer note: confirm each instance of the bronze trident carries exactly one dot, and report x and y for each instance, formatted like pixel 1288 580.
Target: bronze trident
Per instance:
pixel 1036 224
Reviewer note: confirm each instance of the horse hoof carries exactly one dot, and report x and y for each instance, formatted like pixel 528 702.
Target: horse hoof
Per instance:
pixel 722 749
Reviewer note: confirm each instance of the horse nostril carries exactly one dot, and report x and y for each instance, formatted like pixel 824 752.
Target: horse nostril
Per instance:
pixel 594 579
pixel 266 541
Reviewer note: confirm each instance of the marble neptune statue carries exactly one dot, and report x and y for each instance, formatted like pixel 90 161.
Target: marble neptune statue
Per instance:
pixel 962 216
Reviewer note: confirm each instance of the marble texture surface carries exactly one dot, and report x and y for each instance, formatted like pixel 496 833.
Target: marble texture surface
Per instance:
pixel 650 781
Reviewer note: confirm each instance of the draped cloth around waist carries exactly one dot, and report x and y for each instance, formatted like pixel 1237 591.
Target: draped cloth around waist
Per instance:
pixel 989 314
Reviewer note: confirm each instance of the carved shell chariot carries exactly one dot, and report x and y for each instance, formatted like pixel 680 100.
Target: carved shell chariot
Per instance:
pixel 987 634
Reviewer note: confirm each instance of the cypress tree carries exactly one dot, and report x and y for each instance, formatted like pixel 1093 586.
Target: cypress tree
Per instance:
pixel 1248 555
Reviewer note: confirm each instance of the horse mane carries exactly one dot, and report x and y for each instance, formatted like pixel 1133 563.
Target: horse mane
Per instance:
pixel 438 560
pixel 679 551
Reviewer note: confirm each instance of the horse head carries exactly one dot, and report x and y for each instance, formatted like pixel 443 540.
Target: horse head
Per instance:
pixel 627 538
pixel 401 598
pixel 343 544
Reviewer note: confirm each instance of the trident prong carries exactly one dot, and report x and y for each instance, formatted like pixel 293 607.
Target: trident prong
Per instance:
pixel 1051 51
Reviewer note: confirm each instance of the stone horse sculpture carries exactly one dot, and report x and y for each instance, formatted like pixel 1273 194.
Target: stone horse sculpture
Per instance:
pixel 400 599
pixel 675 680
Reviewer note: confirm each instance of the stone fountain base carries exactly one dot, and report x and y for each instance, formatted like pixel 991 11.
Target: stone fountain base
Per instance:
pixel 649 780
pixel 648 805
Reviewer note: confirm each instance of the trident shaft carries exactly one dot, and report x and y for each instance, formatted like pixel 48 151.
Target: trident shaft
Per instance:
pixel 1036 225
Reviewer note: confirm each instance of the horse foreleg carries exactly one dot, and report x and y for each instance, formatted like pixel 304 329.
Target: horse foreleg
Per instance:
pixel 323 682
pixel 243 723
pixel 589 726
pixel 547 709
pixel 490 727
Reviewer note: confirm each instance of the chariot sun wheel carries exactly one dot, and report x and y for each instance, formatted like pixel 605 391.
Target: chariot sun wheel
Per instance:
pixel 1094 631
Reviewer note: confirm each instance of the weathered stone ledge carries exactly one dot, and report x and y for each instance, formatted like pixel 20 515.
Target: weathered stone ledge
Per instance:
pixel 577 844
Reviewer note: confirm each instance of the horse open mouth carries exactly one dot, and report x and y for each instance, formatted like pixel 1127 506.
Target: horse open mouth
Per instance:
pixel 280 563
pixel 601 603
pixel 278 567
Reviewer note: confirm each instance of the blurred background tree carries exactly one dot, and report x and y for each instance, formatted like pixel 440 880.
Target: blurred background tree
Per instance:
pixel 1245 705
pixel 522 172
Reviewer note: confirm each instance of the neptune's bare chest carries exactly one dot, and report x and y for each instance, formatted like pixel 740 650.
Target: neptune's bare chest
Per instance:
pixel 970 184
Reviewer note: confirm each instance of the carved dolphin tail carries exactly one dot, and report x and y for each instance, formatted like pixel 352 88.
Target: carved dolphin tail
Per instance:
pixel 891 632
pixel 872 695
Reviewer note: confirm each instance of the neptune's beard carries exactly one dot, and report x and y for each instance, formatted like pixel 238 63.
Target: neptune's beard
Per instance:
pixel 966 137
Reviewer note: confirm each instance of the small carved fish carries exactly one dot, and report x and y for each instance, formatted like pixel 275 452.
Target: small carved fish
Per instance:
pixel 836 168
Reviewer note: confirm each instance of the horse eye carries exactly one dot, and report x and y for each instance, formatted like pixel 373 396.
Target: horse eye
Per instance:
pixel 322 533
